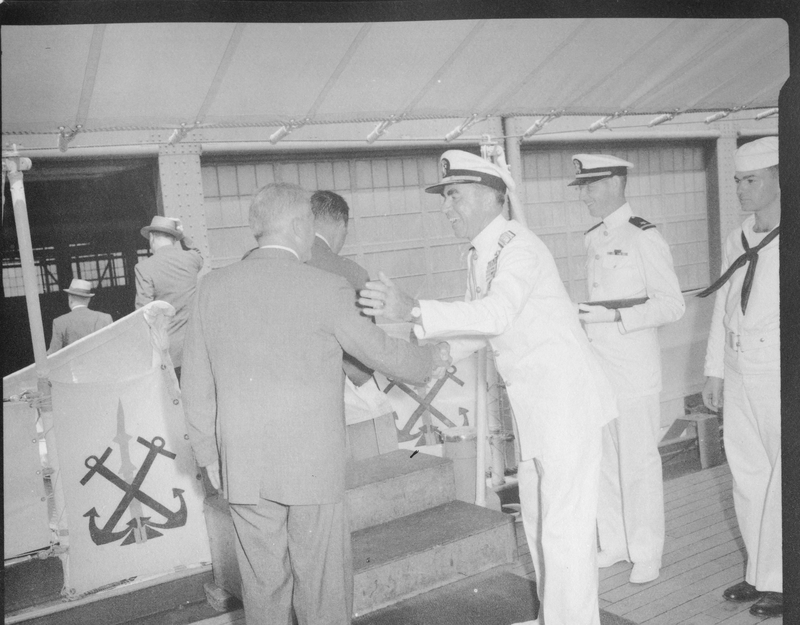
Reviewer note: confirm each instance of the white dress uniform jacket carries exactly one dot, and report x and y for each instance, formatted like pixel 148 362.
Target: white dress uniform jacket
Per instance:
pixel 560 398
pixel 758 332
pixel 553 380
pixel 630 259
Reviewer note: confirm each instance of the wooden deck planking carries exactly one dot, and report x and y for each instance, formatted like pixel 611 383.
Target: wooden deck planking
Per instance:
pixel 703 555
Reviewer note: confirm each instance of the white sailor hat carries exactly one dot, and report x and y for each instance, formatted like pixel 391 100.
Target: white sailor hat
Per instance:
pixel 457 166
pixel 591 167
pixel 758 154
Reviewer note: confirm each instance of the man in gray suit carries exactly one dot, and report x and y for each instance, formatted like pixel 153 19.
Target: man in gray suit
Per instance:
pixel 80 321
pixel 263 392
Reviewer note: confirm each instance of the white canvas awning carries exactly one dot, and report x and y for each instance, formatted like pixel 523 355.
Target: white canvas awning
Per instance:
pixel 142 81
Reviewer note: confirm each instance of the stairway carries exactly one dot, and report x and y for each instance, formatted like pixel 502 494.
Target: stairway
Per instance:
pixel 409 532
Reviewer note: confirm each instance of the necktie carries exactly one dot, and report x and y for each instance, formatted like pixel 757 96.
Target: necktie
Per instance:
pixel 472 256
pixel 750 256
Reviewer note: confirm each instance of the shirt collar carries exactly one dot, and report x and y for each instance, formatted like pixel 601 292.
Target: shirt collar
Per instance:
pixel 79 306
pixel 319 236
pixel 619 216
pixel 166 249
pixel 487 238
pixel 279 247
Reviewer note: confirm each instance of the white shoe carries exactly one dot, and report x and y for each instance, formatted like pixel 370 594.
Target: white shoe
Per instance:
pixel 606 559
pixel 644 572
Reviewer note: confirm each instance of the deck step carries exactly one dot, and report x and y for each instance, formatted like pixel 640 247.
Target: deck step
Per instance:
pixel 396 484
pixel 426 550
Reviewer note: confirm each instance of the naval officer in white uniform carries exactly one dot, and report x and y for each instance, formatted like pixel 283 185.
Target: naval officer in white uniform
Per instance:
pixel 743 357
pixel 560 397
pixel 628 261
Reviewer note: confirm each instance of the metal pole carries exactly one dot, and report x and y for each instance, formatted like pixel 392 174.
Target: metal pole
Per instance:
pixel 13 166
pixel 480 429
pixel 514 159
pixel 495 423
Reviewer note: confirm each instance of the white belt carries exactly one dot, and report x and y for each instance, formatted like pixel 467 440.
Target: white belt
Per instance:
pixel 740 343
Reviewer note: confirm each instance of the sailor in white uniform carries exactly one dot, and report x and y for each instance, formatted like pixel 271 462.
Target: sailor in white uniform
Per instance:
pixel 517 304
pixel 629 262
pixel 744 352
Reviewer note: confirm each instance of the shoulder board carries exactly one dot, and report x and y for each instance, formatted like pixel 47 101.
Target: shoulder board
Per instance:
pixel 597 225
pixel 505 238
pixel 641 223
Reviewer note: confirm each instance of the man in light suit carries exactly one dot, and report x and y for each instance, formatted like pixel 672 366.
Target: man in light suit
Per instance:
pixel 169 275
pixel 263 392
pixel 517 304
pixel 80 321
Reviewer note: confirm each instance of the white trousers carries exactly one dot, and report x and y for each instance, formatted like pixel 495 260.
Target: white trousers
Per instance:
pixel 752 435
pixel 558 496
pixel 630 514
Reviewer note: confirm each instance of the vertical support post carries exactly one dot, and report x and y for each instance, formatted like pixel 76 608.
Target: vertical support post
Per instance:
pixel 182 191
pixel 480 429
pixel 730 212
pixel 514 159
pixel 495 424
pixel 13 166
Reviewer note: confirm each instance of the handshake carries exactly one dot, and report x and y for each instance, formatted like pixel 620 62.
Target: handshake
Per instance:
pixel 441 359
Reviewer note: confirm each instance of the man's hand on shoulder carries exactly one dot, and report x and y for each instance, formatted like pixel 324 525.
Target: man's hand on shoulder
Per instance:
pixel 382 298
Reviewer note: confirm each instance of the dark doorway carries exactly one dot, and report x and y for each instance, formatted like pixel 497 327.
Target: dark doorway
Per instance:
pixel 85 218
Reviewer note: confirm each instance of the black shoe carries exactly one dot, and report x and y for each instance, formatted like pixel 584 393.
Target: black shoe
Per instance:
pixel 770 604
pixel 742 592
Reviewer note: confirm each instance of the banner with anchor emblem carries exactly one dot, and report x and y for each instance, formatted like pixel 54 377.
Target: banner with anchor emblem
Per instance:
pixel 423 412
pixel 133 498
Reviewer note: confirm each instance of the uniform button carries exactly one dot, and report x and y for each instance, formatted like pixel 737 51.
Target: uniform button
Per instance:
pixel 474 255
pixel 590 340
pixel 597 256
pixel 605 233
pixel 478 290
pixel 762 340
pixel 508 384
pixel 594 284
pixel 496 353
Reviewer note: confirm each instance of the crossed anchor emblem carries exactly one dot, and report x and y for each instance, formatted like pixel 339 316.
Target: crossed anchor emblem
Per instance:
pixel 139 528
pixel 425 404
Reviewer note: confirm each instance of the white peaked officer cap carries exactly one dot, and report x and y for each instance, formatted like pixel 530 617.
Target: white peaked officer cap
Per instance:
pixel 758 154
pixel 457 166
pixel 591 167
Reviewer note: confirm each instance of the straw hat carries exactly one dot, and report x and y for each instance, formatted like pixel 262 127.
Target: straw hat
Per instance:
pixel 166 225
pixel 82 288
